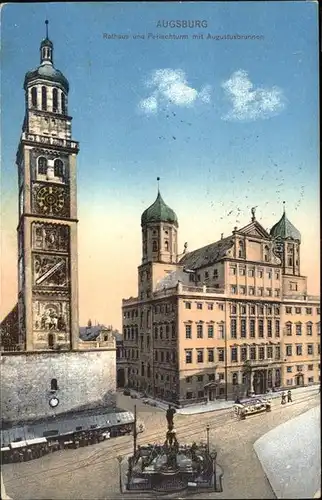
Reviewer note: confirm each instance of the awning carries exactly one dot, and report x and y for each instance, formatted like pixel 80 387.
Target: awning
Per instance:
pixel 19 444
pixel 36 441
pixel 6 448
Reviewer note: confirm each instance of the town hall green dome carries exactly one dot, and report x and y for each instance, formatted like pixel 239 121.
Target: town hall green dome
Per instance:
pixel 159 212
pixel 284 229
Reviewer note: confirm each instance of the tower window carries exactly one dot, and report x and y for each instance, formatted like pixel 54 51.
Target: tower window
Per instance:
pixel 43 98
pixel 266 253
pixel 34 97
pixel 53 384
pixel 55 100
pixel 58 168
pixel 63 103
pixel 42 165
pixel 166 245
pixel 154 246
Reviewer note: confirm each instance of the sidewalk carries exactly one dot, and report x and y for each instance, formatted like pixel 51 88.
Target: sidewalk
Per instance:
pixel 222 404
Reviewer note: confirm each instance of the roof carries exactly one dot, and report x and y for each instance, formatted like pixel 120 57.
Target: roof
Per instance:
pixel 207 255
pixel 46 72
pixel 159 212
pixel 284 229
pixel 171 280
pixel 92 332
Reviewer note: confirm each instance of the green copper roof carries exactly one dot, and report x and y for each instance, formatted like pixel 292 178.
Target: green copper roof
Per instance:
pixel 47 72
pixel 159 212
pixel 285 229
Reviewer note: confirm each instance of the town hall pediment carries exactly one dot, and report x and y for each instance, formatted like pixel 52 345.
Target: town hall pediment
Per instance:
pixel 254 229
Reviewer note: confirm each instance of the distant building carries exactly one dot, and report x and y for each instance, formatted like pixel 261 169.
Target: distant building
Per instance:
pixel 229 317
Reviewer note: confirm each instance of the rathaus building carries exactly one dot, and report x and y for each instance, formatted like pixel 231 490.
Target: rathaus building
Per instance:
pixel 230 317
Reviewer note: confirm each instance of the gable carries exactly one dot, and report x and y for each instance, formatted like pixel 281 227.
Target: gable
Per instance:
pixel 254 229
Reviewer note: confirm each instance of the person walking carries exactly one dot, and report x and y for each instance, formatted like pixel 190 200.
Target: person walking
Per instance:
pixel 289 397
pixel 283 400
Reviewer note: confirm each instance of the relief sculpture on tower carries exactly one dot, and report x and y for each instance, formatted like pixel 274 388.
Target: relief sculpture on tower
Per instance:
pixel 51 316
pixel 50 271
pixel 51 237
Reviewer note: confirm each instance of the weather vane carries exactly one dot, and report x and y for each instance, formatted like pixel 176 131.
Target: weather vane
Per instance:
pixel 46 22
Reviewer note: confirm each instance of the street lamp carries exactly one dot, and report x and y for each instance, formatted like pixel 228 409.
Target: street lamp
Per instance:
pixel 119 459
pixel 208 429
pixel 213 456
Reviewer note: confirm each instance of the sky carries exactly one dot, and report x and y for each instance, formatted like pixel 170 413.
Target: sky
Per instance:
pixel 226 122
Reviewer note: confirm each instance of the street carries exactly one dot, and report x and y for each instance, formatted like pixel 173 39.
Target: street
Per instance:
pixel 92 472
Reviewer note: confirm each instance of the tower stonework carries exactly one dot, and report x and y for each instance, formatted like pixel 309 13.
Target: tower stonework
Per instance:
pixel 47 229
pixel 46 369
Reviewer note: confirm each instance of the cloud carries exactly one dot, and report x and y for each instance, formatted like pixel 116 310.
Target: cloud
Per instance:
pixel 248 103
pixel 171 87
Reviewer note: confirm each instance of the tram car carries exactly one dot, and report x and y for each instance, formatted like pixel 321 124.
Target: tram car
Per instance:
pixel 250 406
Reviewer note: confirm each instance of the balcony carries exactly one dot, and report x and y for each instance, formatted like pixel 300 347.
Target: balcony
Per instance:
pixel 302 298
pixel 261 362
pixel 52 141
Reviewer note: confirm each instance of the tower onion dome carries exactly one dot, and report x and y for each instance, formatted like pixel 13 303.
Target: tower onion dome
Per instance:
pixel 159 212
pixel 46 70
pixel 284 229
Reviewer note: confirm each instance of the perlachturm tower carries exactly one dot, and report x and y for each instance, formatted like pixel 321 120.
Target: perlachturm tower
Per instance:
pixel 46 370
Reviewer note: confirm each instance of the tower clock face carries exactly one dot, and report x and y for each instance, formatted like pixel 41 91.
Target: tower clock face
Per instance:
pixel 51 200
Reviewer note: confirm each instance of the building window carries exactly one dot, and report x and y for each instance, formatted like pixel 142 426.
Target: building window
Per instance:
pixel 251 272
pixel 58 168
pixel 43 98
pixel 266 253
pixel 210 331
pixel 241 249
pixel 154 246
pixel 189 395
pixel 277 328
pixel 233 328
pixel 199 355
pixel 318 328
pixel 277 275
pixel 55 100
pixel 289 350
pixel 188 332
pixel 210 306
pixel 260 273
pixel 317 310
pixel 188 305
pixel 310 368
pixel 188 380
pixel 261 292
pixel 310 380
pixel 234 355
pixel 288 310
pixel 243 353
pixel 34 97
pixel 63 103
pixel 211 358
pixel 243 328
pixel 277 352
pixel 188 356
pixel 233 289
pixel 242 309
pixel 252 328
pixel 310 349
pixel 251 290
pixel 221 331
pixel 242 290
pixel 235 378
pixel 53 384
pixel 289 369
pixel 276 292
pixel 277 310
pixel 288 328
pixel 298 310
pixel 308 310
pixel 252 310
pixel 261 353
pixel 233 309
pixel 269 352
pixel 232 271
pixel 211 377
pixel 199 305
pixel 42 165
pixel 242 271
pixel 269 328
pixel 215 275
pixel 199 331
pixel 298 328
pixel 268 292
pixel 221 354
pixel 261 328
pixel 252 353
pixel 298 349
pixel 309 329
pixel 221 307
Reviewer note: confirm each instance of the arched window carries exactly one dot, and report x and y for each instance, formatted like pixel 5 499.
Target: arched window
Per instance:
pixel 166 245
pixel 235 378
pixel 142 369
pixel 241 249
pixel 34 97
pixel 290 255
pixel 266 253
pixel 154 246
pixel 42 165
pixel 43 98
pixel 63 103
pixel 58 168
pixel 149 371
pixel 53 384
pixel 55 100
